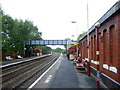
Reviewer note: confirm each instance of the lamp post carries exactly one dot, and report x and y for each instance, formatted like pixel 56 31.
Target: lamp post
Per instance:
pixel 97 25
pixel 74 22
pixel 76 35
pixel 88 61
pixel 72 37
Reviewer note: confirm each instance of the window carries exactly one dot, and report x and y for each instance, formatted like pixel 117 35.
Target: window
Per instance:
pixel 104 45
pixel 113 42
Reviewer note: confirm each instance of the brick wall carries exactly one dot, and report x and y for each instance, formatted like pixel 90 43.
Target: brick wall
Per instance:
pixel 109 46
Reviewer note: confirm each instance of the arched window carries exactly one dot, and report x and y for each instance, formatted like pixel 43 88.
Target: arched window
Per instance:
pixel 91 48
pixel 94 47
pixel 104 45
pixel 113 46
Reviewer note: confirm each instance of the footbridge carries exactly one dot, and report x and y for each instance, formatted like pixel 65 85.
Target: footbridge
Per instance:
pixel 46 42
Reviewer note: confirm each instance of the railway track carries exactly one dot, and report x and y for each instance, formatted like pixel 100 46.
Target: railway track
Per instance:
pixel 23 74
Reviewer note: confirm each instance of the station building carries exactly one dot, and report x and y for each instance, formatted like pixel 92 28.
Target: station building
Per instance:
pixel 103 42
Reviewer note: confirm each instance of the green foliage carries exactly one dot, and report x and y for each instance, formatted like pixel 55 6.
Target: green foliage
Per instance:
pixel 15 32
pixel 45 48
pixel 1 12
pixel 59 50
pixel 82 34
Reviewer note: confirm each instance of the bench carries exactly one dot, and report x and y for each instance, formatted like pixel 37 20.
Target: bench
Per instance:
pixel 81 65
pixel 78 60
pixel 75 61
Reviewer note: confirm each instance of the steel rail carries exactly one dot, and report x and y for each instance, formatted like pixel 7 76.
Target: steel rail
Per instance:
pixel 21 74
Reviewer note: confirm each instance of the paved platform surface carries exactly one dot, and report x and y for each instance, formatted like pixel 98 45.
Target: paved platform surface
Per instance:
pixel 68 77
pixel 64 75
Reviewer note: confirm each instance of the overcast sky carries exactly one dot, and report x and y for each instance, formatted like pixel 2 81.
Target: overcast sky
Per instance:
pixel 53 17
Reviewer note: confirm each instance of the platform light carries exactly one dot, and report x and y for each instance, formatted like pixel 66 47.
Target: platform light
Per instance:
pixel 73 22
pixel 97 24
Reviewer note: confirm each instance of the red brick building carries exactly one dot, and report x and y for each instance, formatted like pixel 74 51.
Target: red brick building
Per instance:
pixel 107 44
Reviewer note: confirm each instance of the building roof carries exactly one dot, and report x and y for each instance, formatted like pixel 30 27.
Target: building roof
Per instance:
pixel 109 13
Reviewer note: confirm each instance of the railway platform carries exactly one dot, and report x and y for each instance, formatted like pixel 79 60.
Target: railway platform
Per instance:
pixel 17 61
pixel 63 74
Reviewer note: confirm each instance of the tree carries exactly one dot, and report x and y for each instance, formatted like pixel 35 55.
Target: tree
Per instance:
pixel 82 34
pixel 45 48
pixel 7 27
pixel 1 14
pixel 15 32
pixel 59 50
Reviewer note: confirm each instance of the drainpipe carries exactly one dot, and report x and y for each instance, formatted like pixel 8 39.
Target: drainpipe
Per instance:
pixel 97 25
pixel 88 61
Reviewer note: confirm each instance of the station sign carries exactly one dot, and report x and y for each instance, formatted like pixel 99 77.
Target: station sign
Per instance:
pixel 75 43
